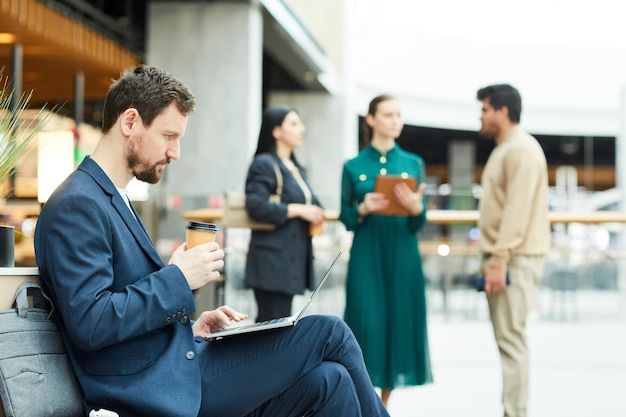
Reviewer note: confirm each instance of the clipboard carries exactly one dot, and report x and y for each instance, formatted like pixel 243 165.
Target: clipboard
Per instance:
pixel 384 184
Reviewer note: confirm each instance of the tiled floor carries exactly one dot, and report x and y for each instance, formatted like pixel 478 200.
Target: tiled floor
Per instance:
pixel 578 357
pixel 578 369
pixel 577 343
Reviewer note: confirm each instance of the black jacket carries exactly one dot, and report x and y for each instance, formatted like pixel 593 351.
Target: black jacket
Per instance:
pixel 280 260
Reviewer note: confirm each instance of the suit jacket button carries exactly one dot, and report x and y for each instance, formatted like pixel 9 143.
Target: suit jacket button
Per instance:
pixel 190 355
pixel 168 320
pixel 184 319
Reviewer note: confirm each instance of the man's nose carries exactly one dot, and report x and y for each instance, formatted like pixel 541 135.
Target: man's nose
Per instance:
pixel 173 151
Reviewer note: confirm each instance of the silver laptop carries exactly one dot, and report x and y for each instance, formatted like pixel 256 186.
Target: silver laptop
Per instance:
pixel 274 323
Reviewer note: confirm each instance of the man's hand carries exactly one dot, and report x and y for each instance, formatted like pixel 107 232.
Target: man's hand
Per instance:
pixel 495 279
pixel 214 320
pixel 199 264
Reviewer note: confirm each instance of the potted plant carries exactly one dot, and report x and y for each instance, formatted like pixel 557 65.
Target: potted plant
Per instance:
pixel 17 134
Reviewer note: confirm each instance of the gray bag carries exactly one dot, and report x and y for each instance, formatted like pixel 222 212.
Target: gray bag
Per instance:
pixel 36 377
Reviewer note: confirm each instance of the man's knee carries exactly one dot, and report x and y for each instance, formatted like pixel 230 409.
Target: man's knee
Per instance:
pixel 334 376
pixel 326 390
pixel 326 320
pixel 334 325
pixel 332 384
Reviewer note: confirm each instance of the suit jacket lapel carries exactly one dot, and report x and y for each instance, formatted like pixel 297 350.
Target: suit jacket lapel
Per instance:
pixel 133 223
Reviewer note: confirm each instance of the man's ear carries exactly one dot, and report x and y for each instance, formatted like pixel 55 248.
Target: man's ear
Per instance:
pixel 128 120
pixel 504 110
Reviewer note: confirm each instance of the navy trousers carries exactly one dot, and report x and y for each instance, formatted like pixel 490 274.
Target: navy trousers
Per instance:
pixel 315 368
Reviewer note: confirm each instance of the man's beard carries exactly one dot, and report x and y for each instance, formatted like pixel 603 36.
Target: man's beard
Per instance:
pixel 487 133
pixel 140 169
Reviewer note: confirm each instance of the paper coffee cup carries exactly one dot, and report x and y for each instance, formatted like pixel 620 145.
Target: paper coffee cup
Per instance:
pixel 316 229
pixel 198 233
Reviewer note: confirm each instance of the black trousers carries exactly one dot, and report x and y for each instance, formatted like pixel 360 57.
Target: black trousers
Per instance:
pixel 272 305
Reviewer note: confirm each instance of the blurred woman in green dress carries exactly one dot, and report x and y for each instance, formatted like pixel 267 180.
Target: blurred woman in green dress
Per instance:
pixel 385 289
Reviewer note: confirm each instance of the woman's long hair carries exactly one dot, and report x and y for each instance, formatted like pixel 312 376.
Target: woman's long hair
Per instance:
pixel 371 110
pixel 272 117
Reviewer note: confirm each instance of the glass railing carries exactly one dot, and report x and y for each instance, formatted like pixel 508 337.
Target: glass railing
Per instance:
pixel 584 276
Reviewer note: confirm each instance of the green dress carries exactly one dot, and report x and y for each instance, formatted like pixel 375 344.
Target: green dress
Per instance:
pixel 385 289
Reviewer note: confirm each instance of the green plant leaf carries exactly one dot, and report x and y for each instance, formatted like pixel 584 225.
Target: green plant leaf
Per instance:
pixel 18 128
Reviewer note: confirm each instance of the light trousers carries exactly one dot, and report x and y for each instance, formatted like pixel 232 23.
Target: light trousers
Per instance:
pixel 509 310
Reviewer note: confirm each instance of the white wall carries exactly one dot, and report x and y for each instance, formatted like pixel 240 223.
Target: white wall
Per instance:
pixel 565 89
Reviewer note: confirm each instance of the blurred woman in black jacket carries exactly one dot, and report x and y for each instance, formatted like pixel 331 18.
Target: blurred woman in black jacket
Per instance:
pixel 280 262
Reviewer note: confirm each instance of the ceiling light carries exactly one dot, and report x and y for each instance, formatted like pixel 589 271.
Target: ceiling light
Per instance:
pixel 6 38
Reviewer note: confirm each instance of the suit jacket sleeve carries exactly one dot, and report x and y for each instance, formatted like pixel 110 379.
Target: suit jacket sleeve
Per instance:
pixel 106 287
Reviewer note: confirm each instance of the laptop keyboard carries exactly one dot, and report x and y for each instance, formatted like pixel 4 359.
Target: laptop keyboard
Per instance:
pixel 262 323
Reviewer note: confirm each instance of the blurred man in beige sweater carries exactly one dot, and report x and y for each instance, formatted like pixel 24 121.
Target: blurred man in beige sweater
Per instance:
pixel 514 234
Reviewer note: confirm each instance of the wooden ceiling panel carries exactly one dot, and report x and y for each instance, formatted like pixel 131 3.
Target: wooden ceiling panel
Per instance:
pixel 55 49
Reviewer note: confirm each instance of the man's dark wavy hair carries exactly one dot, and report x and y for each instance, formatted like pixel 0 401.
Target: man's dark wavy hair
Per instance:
pixel 503 95
pixel 147 89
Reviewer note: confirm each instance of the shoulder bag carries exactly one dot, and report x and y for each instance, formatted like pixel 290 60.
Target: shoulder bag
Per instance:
pixel 36 377
pixel 235 214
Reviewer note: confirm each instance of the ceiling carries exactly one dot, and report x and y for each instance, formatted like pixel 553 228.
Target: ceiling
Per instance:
pixel 58 42
pixel 55 48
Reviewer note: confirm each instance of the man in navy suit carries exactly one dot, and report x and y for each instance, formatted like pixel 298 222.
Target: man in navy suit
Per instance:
pixel 124 314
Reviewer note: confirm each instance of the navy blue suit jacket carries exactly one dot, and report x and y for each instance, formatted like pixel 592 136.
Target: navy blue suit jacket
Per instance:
pixel 124 315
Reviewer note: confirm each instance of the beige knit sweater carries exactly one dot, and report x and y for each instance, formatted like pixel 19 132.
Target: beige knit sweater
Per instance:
pixel 514 205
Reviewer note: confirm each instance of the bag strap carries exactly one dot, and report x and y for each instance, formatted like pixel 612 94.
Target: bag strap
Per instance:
pixel 279 179
pixel 40 299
